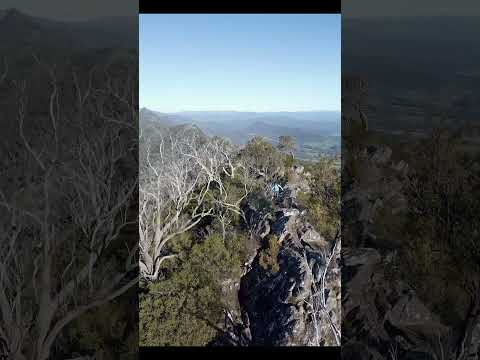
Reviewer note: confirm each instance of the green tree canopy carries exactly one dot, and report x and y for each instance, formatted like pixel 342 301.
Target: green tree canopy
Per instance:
pixel 184 308
pixel 286 144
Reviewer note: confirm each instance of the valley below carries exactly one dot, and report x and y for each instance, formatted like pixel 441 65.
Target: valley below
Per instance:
pixel 315 132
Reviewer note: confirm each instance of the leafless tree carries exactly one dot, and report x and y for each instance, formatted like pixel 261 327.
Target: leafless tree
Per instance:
pixel 58 227
pixel 317 303
pixel 393 351
pixel 182 181
pixel 471 322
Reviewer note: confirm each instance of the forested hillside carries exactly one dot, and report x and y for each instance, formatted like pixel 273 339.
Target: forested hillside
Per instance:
pixel 68 197
pixel 239 245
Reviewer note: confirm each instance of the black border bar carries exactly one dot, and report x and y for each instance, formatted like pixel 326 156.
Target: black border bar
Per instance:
pixel 244 7
pixel 325 353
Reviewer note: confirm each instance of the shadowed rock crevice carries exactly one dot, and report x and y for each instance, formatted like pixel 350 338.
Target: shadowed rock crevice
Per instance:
pixel 276 303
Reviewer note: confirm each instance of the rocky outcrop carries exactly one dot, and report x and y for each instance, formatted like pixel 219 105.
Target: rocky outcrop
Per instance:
pixel 297 303
pixel 378 187
pixel 298 182
pixel 381 314
pixel 383 317
pixel 276 304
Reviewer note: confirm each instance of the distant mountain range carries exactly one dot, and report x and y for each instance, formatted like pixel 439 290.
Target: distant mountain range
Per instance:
pixel 21 30
pixel 315 132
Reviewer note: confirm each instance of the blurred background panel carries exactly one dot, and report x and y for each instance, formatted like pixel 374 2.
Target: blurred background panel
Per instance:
pixel 68 194
pixel 410 171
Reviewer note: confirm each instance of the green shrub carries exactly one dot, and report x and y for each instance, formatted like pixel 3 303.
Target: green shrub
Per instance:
pixel 106 330
pixel 258 201
pixel 262 156
pixel 289 161
pixel 439 252
pixel 323 201
pixel 268 256
pixel 183 308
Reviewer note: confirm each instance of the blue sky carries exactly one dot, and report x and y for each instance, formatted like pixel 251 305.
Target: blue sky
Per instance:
pixel 240 62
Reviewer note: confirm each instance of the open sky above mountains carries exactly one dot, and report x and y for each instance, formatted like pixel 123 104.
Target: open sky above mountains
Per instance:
pixel 261 62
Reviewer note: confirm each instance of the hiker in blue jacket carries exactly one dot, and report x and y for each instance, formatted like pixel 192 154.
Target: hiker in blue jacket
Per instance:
pixel 276 189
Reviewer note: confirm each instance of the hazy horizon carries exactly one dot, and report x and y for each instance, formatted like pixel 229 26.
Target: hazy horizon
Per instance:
pixel 239 111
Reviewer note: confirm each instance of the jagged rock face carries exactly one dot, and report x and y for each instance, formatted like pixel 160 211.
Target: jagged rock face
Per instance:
pixel 274 306
pixel 378 186
pixel 383 318
pixel 275 303
pixel 382 313
pixel 313 239
pixel 474 350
